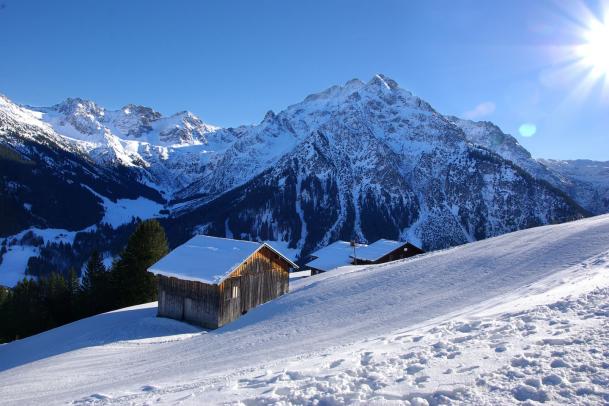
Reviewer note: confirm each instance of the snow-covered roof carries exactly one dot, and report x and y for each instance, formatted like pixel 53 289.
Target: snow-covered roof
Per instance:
pixel 377 249
pixel 334 255
pixel 207 259
pixel 340 253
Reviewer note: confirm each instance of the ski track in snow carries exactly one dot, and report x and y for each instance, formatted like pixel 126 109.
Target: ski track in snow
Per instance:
pixel 517 318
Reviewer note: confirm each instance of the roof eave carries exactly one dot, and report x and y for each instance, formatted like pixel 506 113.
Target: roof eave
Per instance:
pixel 288 260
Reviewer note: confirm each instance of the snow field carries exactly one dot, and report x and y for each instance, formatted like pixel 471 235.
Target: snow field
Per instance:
pixel 517 318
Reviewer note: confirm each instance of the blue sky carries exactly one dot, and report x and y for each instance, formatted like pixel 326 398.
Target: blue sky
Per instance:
pixel 231 61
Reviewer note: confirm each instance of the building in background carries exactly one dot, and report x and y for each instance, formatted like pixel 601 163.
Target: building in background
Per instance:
pixel 343 253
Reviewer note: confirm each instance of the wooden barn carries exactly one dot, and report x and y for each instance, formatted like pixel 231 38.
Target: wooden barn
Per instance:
pixel 343 253
pixel 211 281
pixel 382 251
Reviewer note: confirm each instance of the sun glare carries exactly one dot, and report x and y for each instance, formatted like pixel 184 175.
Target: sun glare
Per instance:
pixel 582 63
pixel 594 53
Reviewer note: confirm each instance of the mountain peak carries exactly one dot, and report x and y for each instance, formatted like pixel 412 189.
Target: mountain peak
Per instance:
pixel 134 109
pixel 382 80
pixel 378 82
pixel 270 115
pixel 78 106
pixel 354 83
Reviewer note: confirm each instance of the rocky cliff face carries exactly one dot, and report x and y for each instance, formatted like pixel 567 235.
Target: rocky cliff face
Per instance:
pixel 372 160
pixel 587 181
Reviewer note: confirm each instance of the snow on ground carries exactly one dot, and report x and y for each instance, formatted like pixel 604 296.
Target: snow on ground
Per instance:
pixel 14 262
pixel 124 210
pixel 295 276
pixel 521 317
pixel 51 235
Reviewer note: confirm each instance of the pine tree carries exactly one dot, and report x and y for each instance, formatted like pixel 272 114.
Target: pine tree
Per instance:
pixel 95 286
pixel 93 269
pixel 6 319
pixel 133 284
pixel 26 309
pixel 56 296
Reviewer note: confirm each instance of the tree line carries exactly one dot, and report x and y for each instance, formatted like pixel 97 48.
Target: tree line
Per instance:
pixel 36 305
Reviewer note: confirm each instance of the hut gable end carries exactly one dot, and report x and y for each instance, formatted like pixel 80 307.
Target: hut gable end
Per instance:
pixel 261 277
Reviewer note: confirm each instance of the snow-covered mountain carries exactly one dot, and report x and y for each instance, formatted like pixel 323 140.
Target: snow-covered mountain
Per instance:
pixel 587 181
pixel 517 318
pixel 362 160
pixel 489 136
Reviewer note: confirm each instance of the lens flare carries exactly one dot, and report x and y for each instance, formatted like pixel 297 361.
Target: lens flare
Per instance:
pixel 527 130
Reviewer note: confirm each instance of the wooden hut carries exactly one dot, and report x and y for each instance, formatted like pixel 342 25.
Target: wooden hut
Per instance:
pixel 211 281
pixel 332 256
pixel 343 253
pixel 382 251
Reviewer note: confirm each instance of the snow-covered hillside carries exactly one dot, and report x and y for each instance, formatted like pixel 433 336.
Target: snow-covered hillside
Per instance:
pixel 518 317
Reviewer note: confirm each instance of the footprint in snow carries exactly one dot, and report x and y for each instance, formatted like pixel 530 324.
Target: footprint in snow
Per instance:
pixel 422 379
pixel 413 369
pixel 366 358
pixel 96 397
pixel 453 355
pixel 469 327
pixel 336 363
pixel 559 363
pixel 500 348
pixel 468 369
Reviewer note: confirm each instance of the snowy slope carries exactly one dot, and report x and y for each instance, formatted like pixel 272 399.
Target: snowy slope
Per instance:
pixel 516 317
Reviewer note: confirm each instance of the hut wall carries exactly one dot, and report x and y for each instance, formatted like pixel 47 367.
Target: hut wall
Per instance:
pixel 399 253
pixel 394 255
pixel 194 302
pixel 263 277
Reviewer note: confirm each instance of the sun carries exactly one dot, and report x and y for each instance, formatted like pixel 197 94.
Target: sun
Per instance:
pixel 594 52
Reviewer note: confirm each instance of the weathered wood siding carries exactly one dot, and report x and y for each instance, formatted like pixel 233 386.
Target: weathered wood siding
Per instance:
pixel 263 277
pixel 194 302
